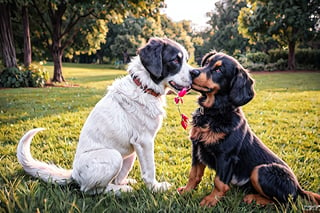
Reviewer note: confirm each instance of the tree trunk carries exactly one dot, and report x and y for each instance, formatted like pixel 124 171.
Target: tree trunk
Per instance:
pixel 6 37
pixel 99 55
pixel 56 48
pixel 26 37
pixel 291 56
pixel 57 63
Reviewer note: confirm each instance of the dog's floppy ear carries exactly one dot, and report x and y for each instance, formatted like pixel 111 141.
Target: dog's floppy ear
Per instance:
pixel 241 88
pixel 151 57
pixel 206 57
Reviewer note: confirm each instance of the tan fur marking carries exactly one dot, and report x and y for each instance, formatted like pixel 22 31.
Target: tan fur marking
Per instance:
pixel 218 192
pixel 206 135
pixel 255 180
pixel 195 133
pixel 259 199
pixel 203 83
pixel 209 100
pixel 217 64
pixel 195 177
pixel 213 137
pixel 314 197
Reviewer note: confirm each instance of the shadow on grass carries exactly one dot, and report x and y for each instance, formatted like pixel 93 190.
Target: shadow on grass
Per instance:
pixel 23 104
pixel 94 78
pixel 27 103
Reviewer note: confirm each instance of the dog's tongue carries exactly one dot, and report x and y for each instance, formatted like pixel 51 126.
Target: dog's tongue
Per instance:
pixel 182 92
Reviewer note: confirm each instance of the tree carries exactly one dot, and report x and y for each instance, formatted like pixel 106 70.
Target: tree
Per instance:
pixel 21 23
pixel 180 32
pixel 126 37
pixel 26 35
pixel 287 22
pixel 123 39
pixel 6 36
pixel 224 22
pixel 62 21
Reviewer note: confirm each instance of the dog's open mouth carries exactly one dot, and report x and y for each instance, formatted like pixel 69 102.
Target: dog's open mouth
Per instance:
pixel 178 87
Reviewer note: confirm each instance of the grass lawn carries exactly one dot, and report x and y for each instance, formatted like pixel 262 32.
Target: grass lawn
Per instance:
pixel 284 114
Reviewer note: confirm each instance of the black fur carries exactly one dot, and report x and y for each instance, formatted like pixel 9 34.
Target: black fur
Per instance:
pixel 235 156
pixel 161 57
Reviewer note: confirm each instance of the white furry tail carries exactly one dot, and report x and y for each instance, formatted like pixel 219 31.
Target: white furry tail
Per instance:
pixel 46 172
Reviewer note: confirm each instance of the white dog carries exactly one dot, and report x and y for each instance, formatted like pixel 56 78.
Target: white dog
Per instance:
pixel 122 125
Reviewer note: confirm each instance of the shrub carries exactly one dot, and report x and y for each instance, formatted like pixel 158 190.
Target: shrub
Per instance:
pixel 33 76
pixel 305 58
pixel 281 64
pixel 37 75
pixel 253 66
pixel 308 58
pixel 277 54
pixel 13 77
pixel 258 57
pixel 276 59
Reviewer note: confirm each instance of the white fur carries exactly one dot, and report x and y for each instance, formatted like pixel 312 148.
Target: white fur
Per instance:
pixel 123 124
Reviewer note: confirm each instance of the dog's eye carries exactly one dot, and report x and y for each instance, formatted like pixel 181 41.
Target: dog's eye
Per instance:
pixel 175 60
pixel 215 70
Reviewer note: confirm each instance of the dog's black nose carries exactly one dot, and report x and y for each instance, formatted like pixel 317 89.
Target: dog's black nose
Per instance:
pixel 194 73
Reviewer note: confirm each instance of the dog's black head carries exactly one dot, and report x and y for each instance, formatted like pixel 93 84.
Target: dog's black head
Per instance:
pixel 163 58
pixel 222 81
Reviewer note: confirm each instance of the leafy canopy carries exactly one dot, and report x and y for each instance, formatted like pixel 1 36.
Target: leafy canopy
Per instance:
pixel 283 21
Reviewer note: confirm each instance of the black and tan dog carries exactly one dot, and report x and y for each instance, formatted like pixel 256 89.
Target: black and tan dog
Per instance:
pixel 223 141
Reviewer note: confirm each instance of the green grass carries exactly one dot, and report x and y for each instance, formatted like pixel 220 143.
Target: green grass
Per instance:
pixel 284 114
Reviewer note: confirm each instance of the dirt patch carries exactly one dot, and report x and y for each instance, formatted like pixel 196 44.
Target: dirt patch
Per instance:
pixel 65 85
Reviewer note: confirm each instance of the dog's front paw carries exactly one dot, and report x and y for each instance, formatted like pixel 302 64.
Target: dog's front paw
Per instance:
pixel 160 186
pixel 182 190
pixel 118 189
pixel 127 181
pixel 209 201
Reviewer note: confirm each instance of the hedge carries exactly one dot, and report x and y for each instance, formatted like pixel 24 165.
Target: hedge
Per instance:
pixel 277 59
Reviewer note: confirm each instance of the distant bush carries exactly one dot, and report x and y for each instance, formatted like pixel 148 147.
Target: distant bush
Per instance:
pixel 259 61
pixel 253 66
pixel 33 76
pixel 281 64
pixel 258 57
pixel 308 58
pixel 13 77
pixel 305 58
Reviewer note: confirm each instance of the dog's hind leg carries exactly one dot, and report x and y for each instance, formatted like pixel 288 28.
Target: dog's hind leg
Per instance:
pixel 94 170
pixel 274 182
pixel 258 198
pixel 127 165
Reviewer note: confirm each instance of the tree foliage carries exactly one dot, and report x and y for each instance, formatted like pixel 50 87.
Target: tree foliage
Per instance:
pixel 287 22
pixel 224 22
pixel 124 39
pixel 80 26
pixel 180 32
pixel 90 31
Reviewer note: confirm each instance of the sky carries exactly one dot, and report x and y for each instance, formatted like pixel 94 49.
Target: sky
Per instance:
pixel 194 10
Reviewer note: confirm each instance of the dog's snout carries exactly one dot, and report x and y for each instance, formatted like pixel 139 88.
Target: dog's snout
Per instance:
pixel 194 73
